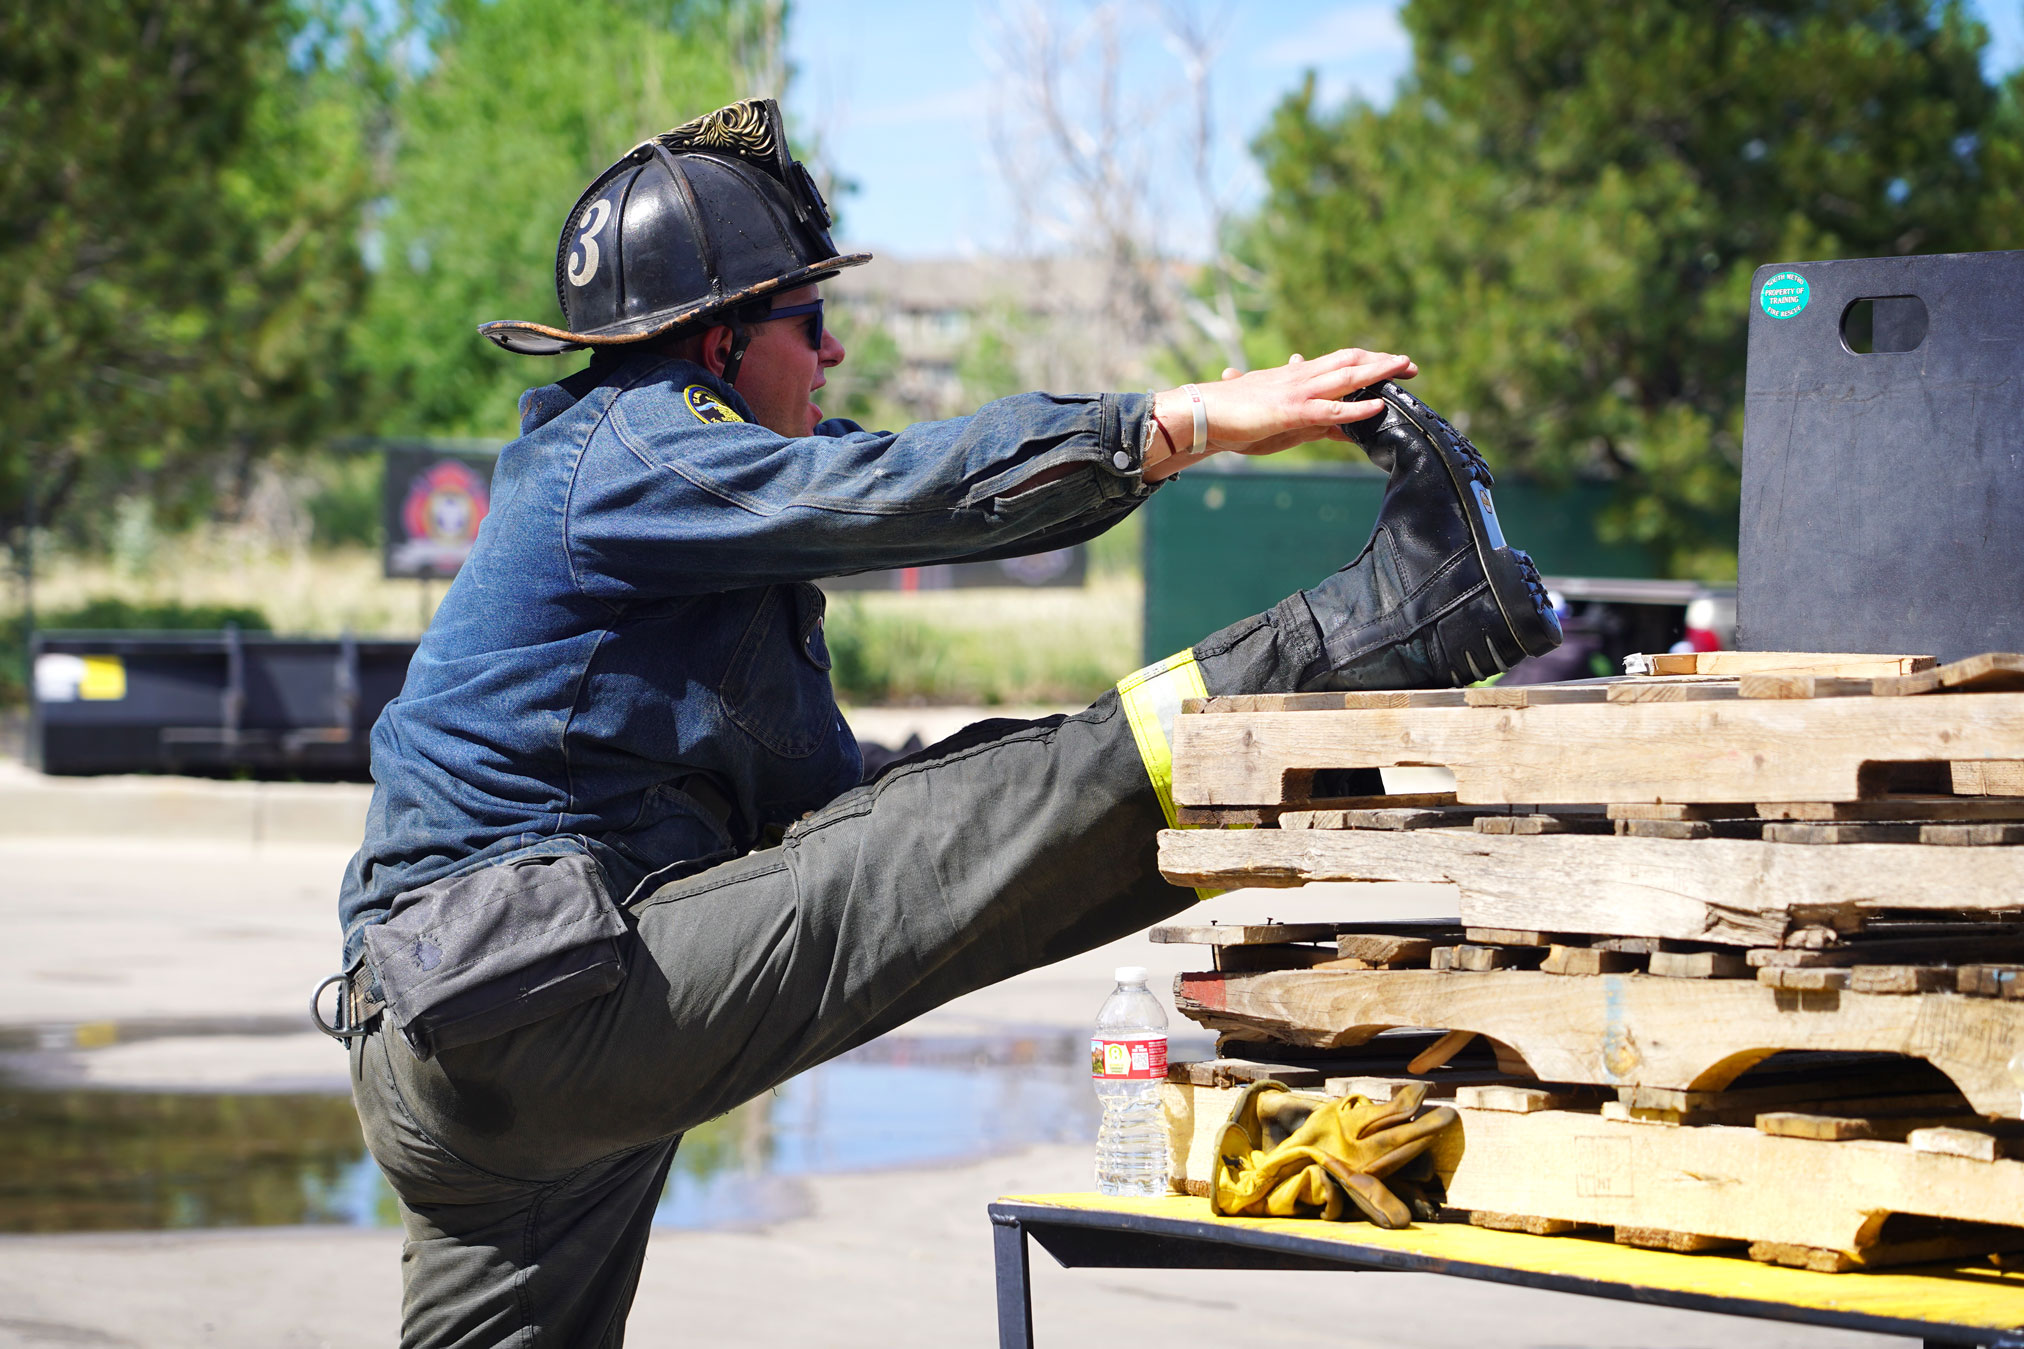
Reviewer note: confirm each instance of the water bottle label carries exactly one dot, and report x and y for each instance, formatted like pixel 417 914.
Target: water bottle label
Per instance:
pixel 1137 1058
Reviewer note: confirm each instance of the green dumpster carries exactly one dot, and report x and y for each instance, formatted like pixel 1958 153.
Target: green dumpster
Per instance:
pixel 1219 546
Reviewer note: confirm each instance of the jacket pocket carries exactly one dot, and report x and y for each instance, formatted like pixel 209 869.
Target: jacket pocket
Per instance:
pixel 776 687
pixel 481 954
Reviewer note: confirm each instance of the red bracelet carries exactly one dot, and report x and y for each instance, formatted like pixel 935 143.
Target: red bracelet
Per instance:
pixel 1171 451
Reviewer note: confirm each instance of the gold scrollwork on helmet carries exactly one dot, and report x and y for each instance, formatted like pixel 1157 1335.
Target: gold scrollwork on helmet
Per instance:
pixel 743 129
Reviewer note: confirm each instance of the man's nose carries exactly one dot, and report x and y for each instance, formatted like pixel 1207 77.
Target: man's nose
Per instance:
pixel 831 351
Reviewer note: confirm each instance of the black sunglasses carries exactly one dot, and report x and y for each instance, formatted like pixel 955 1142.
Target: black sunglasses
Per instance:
pixel 814 311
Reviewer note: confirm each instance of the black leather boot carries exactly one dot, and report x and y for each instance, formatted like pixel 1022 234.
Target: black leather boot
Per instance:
pixel 1436 598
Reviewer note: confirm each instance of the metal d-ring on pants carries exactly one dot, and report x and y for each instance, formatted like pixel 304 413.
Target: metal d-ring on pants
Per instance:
pixel 528 1166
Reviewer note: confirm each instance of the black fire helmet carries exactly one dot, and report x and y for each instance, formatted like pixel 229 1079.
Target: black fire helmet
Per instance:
pixel 706 220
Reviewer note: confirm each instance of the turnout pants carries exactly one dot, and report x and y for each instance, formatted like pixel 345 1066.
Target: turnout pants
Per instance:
pixel 528 1166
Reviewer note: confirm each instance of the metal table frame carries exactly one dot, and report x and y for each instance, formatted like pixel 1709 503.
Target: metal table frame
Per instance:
pixel 1094 1237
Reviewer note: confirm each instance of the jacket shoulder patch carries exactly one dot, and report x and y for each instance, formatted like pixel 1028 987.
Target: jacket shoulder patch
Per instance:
pixel 707 407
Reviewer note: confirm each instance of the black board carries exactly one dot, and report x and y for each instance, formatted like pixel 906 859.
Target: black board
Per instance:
pixel 1883 491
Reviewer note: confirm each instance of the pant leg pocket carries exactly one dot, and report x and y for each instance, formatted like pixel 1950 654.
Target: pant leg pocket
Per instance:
pixel 481 954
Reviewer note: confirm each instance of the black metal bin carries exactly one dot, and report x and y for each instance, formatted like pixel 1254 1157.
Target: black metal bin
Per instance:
pixel 209 702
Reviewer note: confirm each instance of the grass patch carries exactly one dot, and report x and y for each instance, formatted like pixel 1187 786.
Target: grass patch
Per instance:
pixel 988 647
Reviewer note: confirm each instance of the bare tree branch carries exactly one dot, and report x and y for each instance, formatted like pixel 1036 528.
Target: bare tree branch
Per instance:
pixel 1084 145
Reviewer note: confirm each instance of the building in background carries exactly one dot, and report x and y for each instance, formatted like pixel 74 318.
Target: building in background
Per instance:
pixel 966 330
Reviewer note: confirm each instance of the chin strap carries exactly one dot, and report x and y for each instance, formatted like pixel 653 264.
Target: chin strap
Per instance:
pixel 741 337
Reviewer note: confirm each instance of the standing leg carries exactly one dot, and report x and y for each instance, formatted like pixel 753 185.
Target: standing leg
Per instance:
pixel 1015 1283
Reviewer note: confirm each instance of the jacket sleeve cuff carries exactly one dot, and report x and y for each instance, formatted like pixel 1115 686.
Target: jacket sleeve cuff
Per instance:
pixel 1126 423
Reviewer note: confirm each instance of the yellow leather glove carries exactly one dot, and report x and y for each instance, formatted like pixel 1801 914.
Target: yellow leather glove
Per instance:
pixel 1284 1155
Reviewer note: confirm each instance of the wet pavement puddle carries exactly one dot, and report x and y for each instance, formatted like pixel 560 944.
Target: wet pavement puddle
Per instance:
pixel 76 1159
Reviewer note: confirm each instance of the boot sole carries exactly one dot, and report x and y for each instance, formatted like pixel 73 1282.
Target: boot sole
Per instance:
pixel 1493 555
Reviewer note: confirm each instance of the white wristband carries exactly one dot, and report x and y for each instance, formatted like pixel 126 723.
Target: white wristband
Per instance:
pixel 1200 443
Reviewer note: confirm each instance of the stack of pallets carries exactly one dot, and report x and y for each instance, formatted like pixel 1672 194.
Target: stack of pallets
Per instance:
pixel 1739 960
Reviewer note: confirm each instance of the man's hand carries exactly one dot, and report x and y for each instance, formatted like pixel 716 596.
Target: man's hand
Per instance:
pixel 1267 411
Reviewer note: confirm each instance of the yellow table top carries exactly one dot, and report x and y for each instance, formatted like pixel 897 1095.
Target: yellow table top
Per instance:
pixel 1968 1293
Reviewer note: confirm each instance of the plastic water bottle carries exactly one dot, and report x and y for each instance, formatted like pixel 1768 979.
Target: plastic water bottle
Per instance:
pixel 1128 1060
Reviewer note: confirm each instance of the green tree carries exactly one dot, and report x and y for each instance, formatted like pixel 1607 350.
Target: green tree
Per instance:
pixel 179 201
pixel 522 103
pixel 1559 214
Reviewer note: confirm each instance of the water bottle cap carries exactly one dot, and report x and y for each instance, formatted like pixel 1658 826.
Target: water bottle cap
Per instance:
pixel 1131 974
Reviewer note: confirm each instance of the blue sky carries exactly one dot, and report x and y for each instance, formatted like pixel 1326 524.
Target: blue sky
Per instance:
pixel 902 92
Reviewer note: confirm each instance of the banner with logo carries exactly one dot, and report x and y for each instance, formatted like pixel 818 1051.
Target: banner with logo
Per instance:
pixel 433 504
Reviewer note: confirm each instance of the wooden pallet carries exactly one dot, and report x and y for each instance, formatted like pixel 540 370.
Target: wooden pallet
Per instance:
pixel 1620 1030
pixel 1775 736
pixel 1741 891
pixel 1525 1162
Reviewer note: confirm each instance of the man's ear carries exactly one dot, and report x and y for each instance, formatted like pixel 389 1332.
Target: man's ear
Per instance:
pixel 716 352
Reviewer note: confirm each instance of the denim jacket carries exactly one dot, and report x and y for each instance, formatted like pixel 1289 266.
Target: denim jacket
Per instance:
pixel 631 663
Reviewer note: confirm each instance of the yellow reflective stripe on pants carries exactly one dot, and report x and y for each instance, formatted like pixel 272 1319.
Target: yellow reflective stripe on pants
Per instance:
pixel 1152 699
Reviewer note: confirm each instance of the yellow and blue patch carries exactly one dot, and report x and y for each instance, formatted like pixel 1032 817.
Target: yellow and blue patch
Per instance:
pixel 707 406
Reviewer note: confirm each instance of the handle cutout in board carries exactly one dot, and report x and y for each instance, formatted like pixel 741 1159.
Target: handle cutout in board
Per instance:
pixel 1878 324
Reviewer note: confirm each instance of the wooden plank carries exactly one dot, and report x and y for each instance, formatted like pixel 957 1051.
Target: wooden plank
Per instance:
pixel 1518 1100
pixel 1700 965
pixel 1957 809
pixel 1722 1181
pixel 1534 695
pixel 1849 665
pixel 1990 671
pixel 1663 1239
pixel 1812 833
pixel 1440 1086
pixel 1440 1051
pixel 1624 1030
pixel 1673 810
pixel 1990 981
pixel 1987 777
pixel 1669 691
pixel 1740 892
pixel 1949 1142
pixel 1587 960
pixel 1901 979
pixel 1519 1222
pixel 1381 951
pixel 1240 934
pixel 1238 1072
pixel 1453 817
pixel 1219 816
pixel 1801 686
pixel 1832 749
pixel 1507 936
pixel 1542 823
pixel 1293 702
pixel 1685 830
pixel 1972 835
pixel 1471 957
pixel 1636 946
pixel 1814 979
pixel 1826 1128
pixel 1884 1255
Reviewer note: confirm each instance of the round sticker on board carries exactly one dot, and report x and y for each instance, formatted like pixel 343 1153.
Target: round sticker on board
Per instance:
pixel 1784 295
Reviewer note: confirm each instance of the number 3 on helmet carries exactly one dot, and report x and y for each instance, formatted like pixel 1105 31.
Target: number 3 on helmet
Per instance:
pixel 703 222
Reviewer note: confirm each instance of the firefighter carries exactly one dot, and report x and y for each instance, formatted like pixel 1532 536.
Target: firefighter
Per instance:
pixel 620 873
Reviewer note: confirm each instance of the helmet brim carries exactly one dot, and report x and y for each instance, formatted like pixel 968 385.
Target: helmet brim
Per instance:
pixel 528 338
